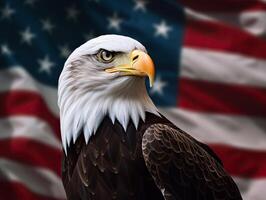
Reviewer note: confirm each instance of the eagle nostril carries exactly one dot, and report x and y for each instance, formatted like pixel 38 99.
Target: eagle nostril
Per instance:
pixel 135 58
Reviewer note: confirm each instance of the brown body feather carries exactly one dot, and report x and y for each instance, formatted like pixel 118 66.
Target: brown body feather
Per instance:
pixel 113 165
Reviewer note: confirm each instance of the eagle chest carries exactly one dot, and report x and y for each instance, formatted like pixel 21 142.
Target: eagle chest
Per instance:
pixel 110 166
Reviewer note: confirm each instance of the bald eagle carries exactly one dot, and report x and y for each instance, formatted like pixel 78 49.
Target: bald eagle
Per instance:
pixel 116 143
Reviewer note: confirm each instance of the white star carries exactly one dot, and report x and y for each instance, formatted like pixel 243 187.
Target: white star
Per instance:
pixel 27 36
pixel 30 2
pixel 89 36
pixel 47 25
pixel 162 29
pixel 140 5
pixel 114 22
pixel 158 86
pixel 5 50
pixel 45 65
pixel 7 12
pixel 64 51
pixel 72 13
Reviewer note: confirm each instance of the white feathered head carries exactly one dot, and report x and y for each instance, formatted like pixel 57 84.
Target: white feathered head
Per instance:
pixel 104 77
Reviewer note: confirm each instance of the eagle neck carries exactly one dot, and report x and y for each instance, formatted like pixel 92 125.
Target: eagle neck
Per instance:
pixel 129 101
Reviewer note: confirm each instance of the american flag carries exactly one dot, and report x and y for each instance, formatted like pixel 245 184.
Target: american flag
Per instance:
pixel 210 58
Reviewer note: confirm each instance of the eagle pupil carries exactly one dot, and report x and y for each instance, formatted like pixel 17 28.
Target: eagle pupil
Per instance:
pixel 106 55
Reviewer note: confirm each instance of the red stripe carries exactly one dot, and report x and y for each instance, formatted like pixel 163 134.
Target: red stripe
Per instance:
pixel 27 103
pixel 32 153
pixel 15 191
pixel 211 97
pixel 242 162
pixel 217 36
pixel 224 5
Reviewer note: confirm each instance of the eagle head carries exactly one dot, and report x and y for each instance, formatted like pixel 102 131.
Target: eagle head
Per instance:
pixel 104 77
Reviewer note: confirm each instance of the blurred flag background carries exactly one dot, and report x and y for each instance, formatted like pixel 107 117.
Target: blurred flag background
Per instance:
pixel 211 80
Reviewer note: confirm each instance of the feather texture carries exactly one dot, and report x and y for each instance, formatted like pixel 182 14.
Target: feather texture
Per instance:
pixel 111 165
pixel 183 169
pixel 156 161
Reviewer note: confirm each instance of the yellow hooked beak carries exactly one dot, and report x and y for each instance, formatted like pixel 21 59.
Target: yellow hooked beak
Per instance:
pixel 140 64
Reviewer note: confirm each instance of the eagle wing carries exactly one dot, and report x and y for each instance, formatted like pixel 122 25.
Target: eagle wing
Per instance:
pixel 183 168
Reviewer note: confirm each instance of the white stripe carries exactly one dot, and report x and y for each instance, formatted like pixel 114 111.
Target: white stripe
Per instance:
pixel 38 180
pixel 192 14
pixel 28 127
pixel 251 21
pixel 17 78
pixel 222 67
pixel 238 131
pixel 251 189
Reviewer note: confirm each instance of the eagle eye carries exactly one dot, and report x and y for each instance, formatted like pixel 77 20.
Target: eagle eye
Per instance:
pixel 105 56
